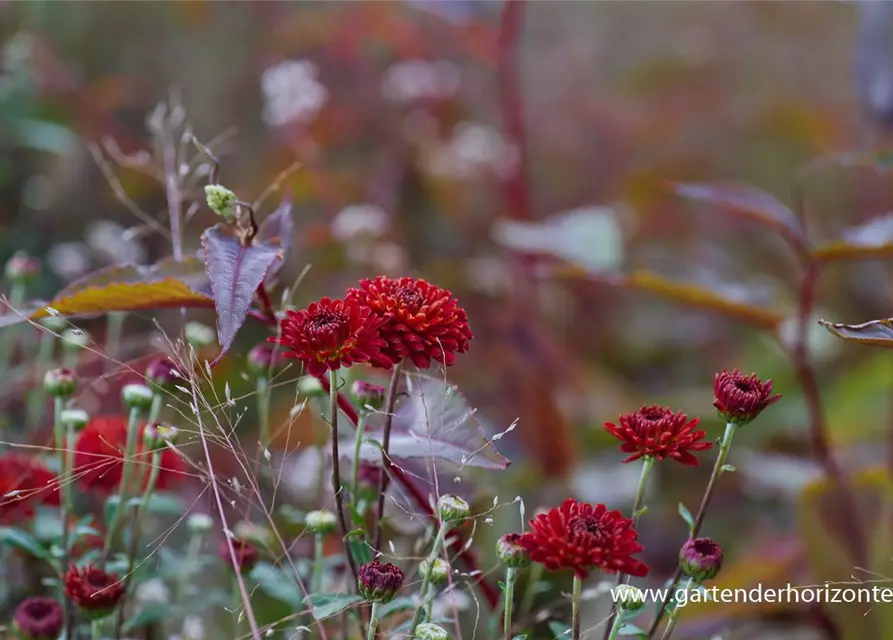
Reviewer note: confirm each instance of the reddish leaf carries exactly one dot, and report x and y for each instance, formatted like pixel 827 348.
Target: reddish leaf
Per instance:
pixel 875 332
pixel 746 200
pixel 235 273
pixel 276 230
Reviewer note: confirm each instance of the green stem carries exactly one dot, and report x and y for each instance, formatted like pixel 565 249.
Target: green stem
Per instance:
pixel 263 410
pixel 358 444
pixel 65 445
pixel 155 409
pixel 96 629
pixel 128 462
pixel 316 581
pixel 36 395
pixel 436 550
pixel 533 579
pixel 575 603
pixel 114 328
pixel 615 627
pixel 647 466
pixel 724 447
pixel 509 597
pixel 192 551
pixel 674 615
pixel 336 472
pixel 373 621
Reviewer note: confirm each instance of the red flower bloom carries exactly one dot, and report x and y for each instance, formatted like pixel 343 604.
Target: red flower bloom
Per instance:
pixel 740 398
pixel 99 456
pixel 659 433
pixel 421 321
pixel 24 483
pixel 581 537
pixel 92 589
pixel 330 334
pixel 38 618
pixel 246 554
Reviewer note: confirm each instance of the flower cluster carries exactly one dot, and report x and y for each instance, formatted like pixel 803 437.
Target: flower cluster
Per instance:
pixel 24 484
pixel 381 322
pixel 99 456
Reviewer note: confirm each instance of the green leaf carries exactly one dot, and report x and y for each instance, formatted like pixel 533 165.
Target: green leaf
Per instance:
pixel 358 547
pixel 148 615
pixel 24 541
pixel 397 605
pixel 277 583
pixel 632 630
pixel 559 630
pixel 686 515
pixel 326 605
pixel 160 504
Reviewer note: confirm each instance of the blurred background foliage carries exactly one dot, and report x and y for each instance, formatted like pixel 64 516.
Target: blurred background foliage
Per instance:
pixel 421 153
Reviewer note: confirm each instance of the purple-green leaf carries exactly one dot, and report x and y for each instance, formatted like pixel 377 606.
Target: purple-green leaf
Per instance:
pixel 276 231
pixel 874 332
pixel 235 273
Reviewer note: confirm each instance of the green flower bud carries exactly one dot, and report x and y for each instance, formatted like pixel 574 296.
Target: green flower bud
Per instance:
pixel 22 268
pixel 162 372
pixel 157 435
pixel 430 631
pixel 60 383
pixel 265 358
pixel 75 339
pixel 77 419
pixel 437 573
pixel 700 559
pixel 310 387
pixel 379 581
pixel 322 522
pixel 452 508
pixel 367 396
pixel 137 396
pixel 199 335
pixel 511 553
pixel 628 597
pixel 56 324
pixel 221 201
pixel 199 523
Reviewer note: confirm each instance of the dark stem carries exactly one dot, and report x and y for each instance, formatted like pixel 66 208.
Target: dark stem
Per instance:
pixel 421 500
pixel 390 404
pixel 336 474
pixel 266 303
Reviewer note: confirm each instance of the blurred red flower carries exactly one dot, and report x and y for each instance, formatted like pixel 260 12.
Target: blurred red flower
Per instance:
pixel 659 433
pixel 99 454
pixel 581 537
pixel 92 589
pixel 332 333
pixel 246 553
pixel 421 321
pixel 24 484
pixel 740 398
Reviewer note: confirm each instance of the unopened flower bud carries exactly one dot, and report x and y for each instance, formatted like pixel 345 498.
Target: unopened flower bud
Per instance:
pixel 77 419
pixel 137 396
pixel 310 387
pixel 379 581
pixel 368 396
pixel 700 559
pixel 60 383
pixel 162 372
pixel 22 268
pixel 199 523
pixel 199 335
pixel 511 553
pixel 221 201
pixel 38 618
pixel 246 554
pixel 431 631
pixel 739 399
pixel 56 324
pixel 321 522
pixel 75 339
pixel 157 435
pixel 628 597
pixel 437 572
pixel 265 358
pixel 452 508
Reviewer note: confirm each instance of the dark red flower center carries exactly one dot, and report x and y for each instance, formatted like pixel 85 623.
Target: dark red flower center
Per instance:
pixel 705 547
pixel 98 581
pixel 744 385
pixel 326 322
pixel 409 298
pixel 654 414
pixel 588 530
pixel 39 609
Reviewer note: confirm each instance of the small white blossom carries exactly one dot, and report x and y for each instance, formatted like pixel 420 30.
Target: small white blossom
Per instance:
pixel 292 93
pixel 153 591
pixel 193 628
pixel 473 148
pixel 410 80
pixel 359 220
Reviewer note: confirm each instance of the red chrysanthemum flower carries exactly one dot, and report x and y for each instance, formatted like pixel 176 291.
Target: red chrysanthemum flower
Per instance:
pixel 246 554
pixel 581 537
pixel 24 484
pixel 92 589
pixel 421 321
pixel 740 398
pixel 332 333
pixel 659 433
pixel 99 456
pixel 38 618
